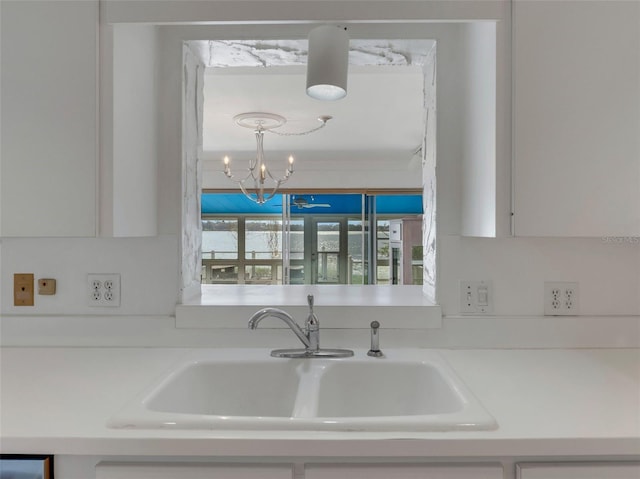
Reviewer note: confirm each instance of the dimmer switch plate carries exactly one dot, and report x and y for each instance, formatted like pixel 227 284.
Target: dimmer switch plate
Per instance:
pixel 476 297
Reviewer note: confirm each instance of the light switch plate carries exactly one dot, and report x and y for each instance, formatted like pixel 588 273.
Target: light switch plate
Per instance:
pixel 476 297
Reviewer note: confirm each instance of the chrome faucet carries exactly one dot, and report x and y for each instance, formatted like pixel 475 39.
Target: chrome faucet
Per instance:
pixel 313 326
pixel 375 341
pixel 286 317
pixel 310 337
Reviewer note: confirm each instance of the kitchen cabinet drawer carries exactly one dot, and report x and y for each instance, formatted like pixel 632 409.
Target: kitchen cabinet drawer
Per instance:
pixel 594 470
pixel 402 471
pixel 193 471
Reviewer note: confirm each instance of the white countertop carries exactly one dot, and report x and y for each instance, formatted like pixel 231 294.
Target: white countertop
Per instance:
pixel 547 403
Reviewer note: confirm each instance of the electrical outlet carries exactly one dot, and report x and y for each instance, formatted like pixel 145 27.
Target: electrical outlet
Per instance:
pixel 476 297
pixel 561 298
pixel 103 289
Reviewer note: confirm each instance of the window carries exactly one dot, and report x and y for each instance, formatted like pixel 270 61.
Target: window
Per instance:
pixel 324 240
pixel 242 250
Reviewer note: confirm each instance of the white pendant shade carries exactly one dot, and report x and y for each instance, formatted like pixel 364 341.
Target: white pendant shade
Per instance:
pixel 328 62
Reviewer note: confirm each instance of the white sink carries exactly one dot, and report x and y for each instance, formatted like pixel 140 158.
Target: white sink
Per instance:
pixel 376 389
pixel 407 390
pixel 241 388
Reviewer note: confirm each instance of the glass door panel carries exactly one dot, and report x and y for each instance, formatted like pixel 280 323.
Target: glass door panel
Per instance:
pixel 221 241
pixel 382 246
pixel 263 238
pixel 326 248
pixel 298 266
pixel 263 250
pixel 355 258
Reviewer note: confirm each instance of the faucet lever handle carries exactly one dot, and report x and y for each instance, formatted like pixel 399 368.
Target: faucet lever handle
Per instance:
pixel 312 319
pixel 313 326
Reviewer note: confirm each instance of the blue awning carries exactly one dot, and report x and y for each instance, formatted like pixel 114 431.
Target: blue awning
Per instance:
pixel 310 204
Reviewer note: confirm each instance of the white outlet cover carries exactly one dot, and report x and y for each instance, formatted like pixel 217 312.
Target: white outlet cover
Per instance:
pixel 103 297
pixel 561 298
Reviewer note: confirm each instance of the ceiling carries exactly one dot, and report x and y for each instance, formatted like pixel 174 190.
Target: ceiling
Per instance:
pixel 382 112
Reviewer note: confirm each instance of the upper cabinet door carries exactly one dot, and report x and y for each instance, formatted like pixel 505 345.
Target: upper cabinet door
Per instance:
pixel 576 107
pixel 48 108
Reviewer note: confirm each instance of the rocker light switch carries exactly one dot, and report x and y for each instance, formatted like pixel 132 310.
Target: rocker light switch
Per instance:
pixel 483 296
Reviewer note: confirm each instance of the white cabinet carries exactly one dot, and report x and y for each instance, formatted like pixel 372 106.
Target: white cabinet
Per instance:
pixel 594 470
pixel 48 106
pixel 193 471
pixel 402 471
pixel 576 107
pixel 107 470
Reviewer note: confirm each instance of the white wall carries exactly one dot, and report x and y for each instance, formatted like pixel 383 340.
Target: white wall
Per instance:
pixel 464 160
pixel 191 185
pixel 134 159
pixel 148 270
pixel 170 71
pixel 607 271
pixel 479 141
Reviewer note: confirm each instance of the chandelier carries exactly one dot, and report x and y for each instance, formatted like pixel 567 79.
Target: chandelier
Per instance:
pixel 259 185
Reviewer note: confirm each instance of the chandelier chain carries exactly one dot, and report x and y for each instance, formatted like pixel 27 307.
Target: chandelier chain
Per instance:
pixel 323 119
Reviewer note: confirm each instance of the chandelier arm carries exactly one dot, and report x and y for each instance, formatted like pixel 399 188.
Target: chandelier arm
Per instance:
pixel 259 196
pixel 280 180
pixel 246 193
pixel 272 194
pixel 258 199
pixel 232 177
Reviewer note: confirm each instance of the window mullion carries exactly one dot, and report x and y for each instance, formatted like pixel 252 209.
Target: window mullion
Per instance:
pixel 241 249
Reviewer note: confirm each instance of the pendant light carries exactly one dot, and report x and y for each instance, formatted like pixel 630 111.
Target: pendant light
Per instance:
pixel 328 62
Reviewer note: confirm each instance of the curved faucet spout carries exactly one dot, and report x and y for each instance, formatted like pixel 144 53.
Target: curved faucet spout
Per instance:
pixel 284 316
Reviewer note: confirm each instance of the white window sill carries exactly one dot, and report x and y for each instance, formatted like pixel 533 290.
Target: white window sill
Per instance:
pixel 337 306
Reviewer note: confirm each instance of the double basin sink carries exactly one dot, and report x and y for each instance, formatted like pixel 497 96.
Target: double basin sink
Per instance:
pixel 246 389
